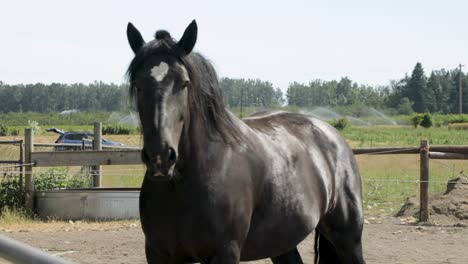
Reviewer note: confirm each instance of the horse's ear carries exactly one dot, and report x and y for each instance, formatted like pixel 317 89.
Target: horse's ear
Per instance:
pixel 134 38
pixel 187 42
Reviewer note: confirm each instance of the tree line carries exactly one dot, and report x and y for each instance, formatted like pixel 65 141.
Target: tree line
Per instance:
pixel 436 93
pixel 99 96
pixel 57 97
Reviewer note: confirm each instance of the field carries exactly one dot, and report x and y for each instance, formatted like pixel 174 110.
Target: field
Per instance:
pixel 394 136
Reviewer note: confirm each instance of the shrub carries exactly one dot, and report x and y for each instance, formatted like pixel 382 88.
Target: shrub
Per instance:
pixel 53 178
pixel 339 124
pixel 427 121
pixel 56 178
pixel 416 120
pixel 117 129
pixel 3 130
pixel 10 196
pixel 14 132
pixel 34 125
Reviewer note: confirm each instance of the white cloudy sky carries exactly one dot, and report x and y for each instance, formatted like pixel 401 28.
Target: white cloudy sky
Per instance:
pixel 370 41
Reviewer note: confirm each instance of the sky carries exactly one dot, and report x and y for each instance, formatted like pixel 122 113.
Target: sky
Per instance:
pixel 370 41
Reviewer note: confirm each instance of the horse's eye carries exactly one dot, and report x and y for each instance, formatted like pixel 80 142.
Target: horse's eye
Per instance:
pixel 186 84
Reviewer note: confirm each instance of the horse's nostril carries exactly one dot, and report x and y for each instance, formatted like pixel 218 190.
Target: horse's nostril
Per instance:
pixel 172 157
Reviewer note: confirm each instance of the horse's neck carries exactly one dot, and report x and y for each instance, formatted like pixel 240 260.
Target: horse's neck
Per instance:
pixel 192 142
pixel 197 142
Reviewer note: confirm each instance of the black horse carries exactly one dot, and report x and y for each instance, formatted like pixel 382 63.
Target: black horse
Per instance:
pixel 219 189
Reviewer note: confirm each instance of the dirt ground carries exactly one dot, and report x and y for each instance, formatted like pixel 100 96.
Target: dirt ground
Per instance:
pixel 386 240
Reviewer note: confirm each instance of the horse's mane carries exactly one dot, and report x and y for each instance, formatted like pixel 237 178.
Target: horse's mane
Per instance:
pixel 204 94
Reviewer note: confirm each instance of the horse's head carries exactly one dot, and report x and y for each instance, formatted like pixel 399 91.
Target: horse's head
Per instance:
pixel 159 83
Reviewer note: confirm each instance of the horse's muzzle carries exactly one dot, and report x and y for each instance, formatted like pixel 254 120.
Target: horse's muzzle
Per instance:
pixel 160 165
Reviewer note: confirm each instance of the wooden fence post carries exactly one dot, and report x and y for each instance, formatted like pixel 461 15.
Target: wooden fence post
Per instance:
pixel 97 145
pixel 29 179
pixel 424 182
pixel 21 169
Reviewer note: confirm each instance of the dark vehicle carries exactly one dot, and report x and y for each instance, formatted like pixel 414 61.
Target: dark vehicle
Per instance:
pixel 80 138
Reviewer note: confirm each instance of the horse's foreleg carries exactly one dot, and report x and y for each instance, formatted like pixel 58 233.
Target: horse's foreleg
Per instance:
pixel 152 257
pixel 155 257
pixel 228 253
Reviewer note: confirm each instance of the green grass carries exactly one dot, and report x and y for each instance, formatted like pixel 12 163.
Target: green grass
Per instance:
pixel 123 175
pixel 378 136
pixel 43 129
pixel 46 119
pixel 388 180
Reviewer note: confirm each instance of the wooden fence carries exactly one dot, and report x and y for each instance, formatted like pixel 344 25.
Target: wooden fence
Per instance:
pixel 98 157
pixel 94 158
pixel 425 153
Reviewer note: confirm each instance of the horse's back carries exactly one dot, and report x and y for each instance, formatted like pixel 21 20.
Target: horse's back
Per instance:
pixel 305 128
pixel 323 144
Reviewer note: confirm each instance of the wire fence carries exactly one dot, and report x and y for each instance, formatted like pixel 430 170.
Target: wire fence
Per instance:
pixel 389 180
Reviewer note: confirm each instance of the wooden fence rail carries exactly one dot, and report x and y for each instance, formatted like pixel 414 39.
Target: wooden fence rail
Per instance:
pixel 85 158
pixel 54 145
pixel 461 149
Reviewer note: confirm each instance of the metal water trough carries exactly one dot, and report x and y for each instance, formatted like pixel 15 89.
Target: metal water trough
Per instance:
pixel 89 204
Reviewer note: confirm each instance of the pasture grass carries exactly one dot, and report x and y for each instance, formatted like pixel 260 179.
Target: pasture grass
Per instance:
pixel 123 175
pixel 46 119
pixel 43 129
pixel 380 136
pixel 388 180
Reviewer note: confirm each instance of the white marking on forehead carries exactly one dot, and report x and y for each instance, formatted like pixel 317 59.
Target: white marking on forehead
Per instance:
pixel 160 71
pixel 168 91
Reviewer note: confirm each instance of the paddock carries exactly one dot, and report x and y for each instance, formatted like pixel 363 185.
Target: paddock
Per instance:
pixel 386 240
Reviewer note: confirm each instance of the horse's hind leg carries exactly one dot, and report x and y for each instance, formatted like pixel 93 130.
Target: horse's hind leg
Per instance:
pixel 342 228
pixel 290 257
pixel 325 251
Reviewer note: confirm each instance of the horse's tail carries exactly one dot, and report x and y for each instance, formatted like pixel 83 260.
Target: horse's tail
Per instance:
pixel 325 252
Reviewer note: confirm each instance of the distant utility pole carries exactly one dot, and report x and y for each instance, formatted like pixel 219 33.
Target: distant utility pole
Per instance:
pixel 460 107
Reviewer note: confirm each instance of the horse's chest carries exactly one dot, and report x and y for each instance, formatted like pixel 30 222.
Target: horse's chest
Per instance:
pixel 178 222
